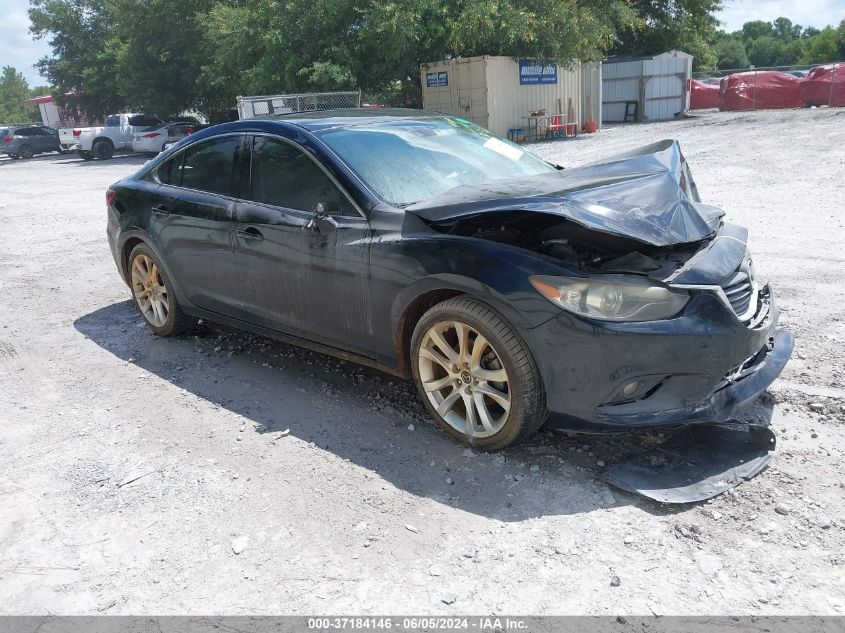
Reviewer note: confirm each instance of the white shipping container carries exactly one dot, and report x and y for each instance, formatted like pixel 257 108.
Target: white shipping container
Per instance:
pixel 487 91
pixel 657 84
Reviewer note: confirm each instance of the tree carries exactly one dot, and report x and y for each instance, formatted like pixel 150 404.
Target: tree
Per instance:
pixel 822 47
pixel 662 25
pixel 84 53
pixel 159 53
pixel 768 51
pixel 13 91
pixel 841 37
pixel 756 29
pixel 730 54
pixel 267 46
pixel 785 30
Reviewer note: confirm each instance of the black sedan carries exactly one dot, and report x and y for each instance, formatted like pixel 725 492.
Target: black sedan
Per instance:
pixel 511 290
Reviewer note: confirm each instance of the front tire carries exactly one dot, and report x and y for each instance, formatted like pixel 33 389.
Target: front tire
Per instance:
pixel 476 376
pixel 153 294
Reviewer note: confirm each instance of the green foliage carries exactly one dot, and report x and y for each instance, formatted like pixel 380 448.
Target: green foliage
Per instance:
pixel 159 48
pixel 164 57
pixel 79 32
pixel 821 48
pixel 662 25
pixel 756 29
pixel 780 43
pixel 840 36
pixel 13 91
pixel 730 53
pixel 269 46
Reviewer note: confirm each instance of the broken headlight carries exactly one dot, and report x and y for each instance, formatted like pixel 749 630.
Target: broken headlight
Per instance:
pixel 612 297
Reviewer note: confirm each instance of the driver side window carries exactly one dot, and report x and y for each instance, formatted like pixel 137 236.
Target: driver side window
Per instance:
pixel 283 176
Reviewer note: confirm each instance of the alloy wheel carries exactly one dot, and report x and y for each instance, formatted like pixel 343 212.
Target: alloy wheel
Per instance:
pixel 25 151
pixel 149 290
pixel 464 379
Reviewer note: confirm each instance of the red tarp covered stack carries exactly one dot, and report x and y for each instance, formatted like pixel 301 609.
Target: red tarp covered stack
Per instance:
pixel 703 95
pixel 824 85
pixel 759 90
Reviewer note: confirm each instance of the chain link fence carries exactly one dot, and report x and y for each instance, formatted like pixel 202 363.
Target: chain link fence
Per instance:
pixel 795 86
pixel 251 107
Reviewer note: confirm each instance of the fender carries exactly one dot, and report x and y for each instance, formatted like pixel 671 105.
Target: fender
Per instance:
pixel 137 233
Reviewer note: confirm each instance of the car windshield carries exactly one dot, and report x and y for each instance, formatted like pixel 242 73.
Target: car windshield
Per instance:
pixel 407 161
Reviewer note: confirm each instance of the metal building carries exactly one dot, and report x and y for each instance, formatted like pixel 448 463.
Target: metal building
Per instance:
pixel 648 88
pixel 499 93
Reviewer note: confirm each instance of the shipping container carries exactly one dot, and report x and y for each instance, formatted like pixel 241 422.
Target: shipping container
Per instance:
pixel 500 93
pixel 647 88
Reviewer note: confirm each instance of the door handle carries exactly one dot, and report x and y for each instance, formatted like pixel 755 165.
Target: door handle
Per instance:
pixel 161 209
pixel 250 233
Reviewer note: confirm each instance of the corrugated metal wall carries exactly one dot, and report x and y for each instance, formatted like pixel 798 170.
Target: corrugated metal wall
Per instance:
pixel 591 92
pixel 658 84
pixel 486 90
pixel 620 83
pixel 667 78
pixel 508 101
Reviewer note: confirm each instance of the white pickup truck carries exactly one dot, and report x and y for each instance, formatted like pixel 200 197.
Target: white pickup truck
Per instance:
pixel 102 142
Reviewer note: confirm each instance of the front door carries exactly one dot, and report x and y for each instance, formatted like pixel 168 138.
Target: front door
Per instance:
pixel 190 221
pixel 302 248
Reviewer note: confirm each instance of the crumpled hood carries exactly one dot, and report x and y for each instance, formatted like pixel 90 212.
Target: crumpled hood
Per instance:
pixel 646 194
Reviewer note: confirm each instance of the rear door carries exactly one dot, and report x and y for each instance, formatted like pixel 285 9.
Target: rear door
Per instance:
pixel 43 140
pixel 302 248
pixel 190 220
pixel 28 136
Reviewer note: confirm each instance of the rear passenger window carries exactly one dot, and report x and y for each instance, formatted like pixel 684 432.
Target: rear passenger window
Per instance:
pixel 207 166
pixel 164 170
pixel 284 176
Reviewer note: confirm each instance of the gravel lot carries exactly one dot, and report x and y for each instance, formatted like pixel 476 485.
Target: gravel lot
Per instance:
pixel 226 473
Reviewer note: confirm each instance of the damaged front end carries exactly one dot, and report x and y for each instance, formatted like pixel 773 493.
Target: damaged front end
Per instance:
pixel 663 320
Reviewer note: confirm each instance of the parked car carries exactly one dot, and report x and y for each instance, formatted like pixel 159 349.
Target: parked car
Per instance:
pixel 24 141
pixel 824 85
pixel 157 138
pixel 103 141
pixel 511 290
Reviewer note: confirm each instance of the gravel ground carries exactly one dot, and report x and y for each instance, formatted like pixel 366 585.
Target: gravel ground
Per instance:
pixel 226 473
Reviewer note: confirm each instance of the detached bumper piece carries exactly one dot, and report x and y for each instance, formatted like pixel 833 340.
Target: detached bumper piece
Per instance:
pixel 698 463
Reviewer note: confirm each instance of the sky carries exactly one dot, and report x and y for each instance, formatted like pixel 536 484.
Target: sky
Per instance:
pixel 17 48
pixel 817 13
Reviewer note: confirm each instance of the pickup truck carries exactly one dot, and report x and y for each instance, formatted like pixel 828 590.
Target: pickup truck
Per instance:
pixel 102 142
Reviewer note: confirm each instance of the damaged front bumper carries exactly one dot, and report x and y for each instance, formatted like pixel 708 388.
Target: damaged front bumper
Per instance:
pixel 700 366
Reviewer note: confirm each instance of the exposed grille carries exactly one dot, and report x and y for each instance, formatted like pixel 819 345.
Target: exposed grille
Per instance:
pixel 740 290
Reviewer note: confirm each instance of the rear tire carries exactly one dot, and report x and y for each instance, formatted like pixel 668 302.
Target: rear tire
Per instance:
pixel 25 151
pixel 492 395
pixel 85 155
pixel 153 294
pixel 103 149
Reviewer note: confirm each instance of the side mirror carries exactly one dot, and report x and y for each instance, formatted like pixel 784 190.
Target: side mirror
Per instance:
pixel 325 224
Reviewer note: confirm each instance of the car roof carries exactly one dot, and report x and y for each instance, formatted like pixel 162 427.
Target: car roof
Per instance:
pixel 317 120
